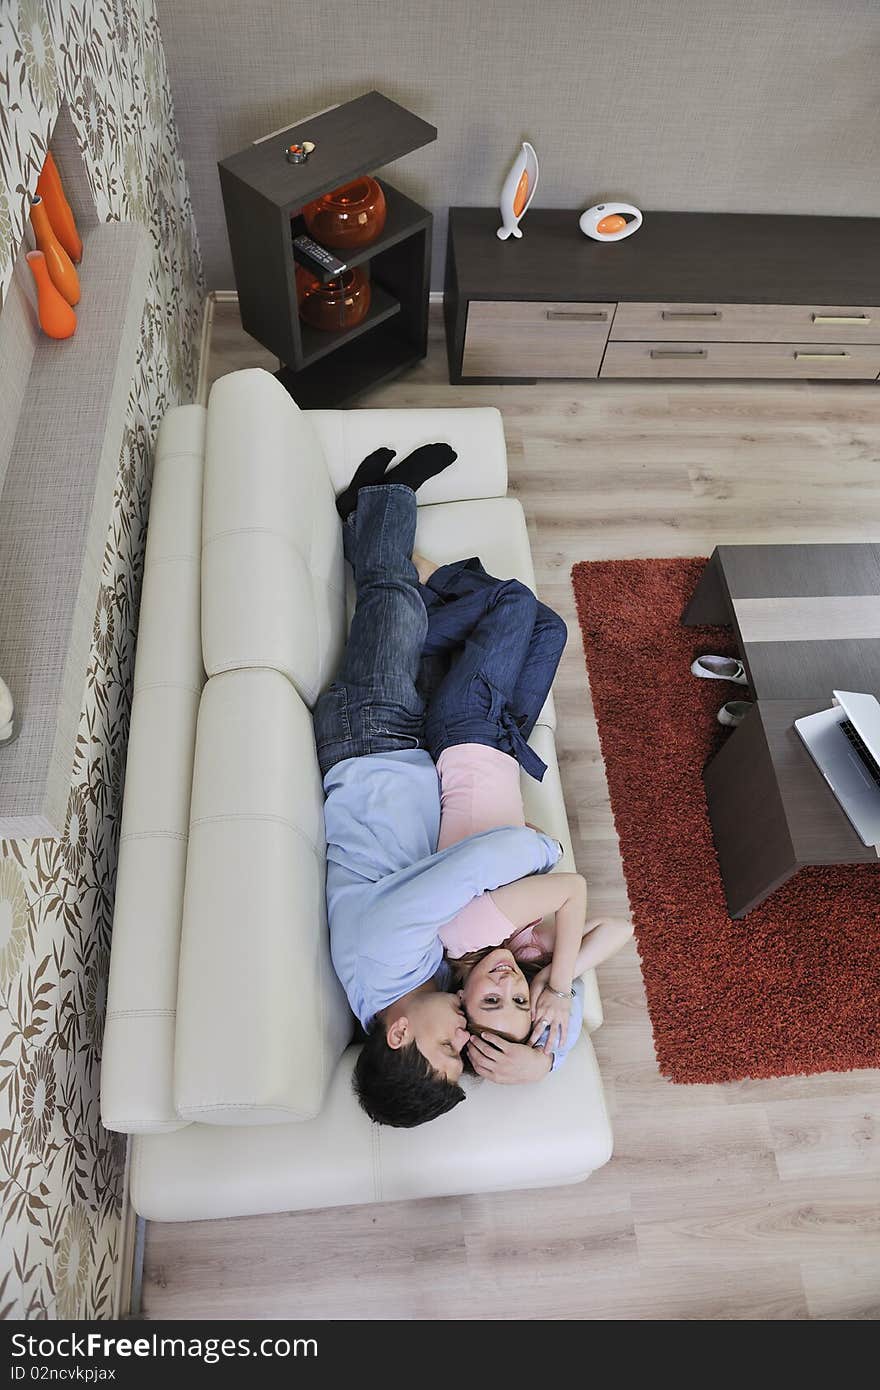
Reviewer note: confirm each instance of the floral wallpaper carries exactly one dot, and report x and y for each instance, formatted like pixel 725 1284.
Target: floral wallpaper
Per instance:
pixel 60 1172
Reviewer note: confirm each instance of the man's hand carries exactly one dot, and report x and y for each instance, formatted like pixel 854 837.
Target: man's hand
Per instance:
pixel 507 1063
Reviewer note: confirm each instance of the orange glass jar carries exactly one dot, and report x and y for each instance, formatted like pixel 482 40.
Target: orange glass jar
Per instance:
pixel 350 216
pixel 333 304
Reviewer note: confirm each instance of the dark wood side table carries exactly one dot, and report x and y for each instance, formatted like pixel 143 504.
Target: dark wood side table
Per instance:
pixel 807 621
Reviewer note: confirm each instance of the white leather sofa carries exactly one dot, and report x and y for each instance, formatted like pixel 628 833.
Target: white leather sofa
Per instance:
pixel 227 1051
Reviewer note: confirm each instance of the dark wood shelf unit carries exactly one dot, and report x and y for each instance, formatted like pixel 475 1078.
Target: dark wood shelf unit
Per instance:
pixel 262 197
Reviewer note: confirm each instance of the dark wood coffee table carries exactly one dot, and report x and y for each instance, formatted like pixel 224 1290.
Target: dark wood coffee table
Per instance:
pixel 807 621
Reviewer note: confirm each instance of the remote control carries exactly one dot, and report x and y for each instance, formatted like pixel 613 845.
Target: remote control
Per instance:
pixel 324 258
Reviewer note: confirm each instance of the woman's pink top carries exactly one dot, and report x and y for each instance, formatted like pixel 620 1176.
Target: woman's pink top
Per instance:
pixel 480 790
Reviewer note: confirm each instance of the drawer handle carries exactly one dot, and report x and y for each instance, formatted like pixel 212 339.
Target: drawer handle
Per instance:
pixel 691 314
pixel 679 352
pixel 841 318
pixel 597 316
pixel 819 356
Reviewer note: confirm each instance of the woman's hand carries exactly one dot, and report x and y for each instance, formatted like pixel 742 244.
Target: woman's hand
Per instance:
pixel 506 1063
pixel 549 1009
pixel 537 986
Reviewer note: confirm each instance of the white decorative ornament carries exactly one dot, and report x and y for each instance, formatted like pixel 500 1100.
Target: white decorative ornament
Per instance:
pixel 602 222
pixel 518 191
pixel 6 712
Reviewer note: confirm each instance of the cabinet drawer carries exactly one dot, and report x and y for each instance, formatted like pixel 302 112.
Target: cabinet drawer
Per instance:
pixel 535 339
pixel 706 359
pixel 748 323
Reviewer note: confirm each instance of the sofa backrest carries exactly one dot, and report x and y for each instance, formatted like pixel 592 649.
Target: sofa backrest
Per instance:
pixel 273 592
pixel 261 1017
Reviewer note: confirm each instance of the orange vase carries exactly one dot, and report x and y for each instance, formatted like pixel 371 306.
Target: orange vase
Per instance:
pixel 51 190
pixel 57 319
pixel 60 266
pixel 350 216
pixel 333 304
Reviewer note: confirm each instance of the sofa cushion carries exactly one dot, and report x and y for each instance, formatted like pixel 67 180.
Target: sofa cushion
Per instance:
pixel 501 1137
pixel 261 1016
pixel 272 566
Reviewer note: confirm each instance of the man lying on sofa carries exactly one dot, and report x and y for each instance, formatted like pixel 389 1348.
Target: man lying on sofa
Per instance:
pixel 388 889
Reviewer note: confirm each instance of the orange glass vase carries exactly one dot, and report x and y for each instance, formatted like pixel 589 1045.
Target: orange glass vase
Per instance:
pixel 60 266
pixel 333 304
pixel 51 190
pixel 57 319
pixel 347 217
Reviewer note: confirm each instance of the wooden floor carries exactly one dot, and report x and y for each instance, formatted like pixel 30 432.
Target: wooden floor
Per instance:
pixel 754 1200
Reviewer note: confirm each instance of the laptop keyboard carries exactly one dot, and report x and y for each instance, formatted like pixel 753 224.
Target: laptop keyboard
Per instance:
pixel 860 747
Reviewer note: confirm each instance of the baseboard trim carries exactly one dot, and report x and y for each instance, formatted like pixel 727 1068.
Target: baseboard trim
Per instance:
pixel 129 1273
pixel 204 348
pixel 214 297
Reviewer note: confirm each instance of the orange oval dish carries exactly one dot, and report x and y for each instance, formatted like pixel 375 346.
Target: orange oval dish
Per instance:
pixel 611 224
pixel 521 196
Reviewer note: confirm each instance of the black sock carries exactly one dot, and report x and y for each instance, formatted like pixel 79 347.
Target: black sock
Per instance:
pixel 367 474
pixel 421 464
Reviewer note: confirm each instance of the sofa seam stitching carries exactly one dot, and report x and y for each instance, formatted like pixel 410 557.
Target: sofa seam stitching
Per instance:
pixel 166 685
pixel 141 1013
pixel 154 835
pixel 257 816
pixel 266 663
pixel 240 1105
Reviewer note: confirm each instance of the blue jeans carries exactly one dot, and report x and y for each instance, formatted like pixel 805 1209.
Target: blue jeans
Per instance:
pixel 501 649
pixel 464 659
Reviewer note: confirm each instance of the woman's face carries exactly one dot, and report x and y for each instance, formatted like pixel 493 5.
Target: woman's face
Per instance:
pixel 496 996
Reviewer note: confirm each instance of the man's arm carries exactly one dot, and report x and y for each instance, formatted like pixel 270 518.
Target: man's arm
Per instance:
pixel 407 909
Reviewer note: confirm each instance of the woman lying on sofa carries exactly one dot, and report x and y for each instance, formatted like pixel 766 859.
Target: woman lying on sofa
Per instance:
pixel 389 889
pixel 519 977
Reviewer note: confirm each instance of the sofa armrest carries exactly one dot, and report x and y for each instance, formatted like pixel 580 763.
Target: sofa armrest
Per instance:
pixel 138 1047
pixel 476 433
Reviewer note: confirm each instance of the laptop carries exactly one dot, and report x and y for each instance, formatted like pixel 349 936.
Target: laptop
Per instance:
pixel 844 743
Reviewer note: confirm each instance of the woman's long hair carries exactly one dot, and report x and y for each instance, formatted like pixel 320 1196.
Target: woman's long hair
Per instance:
pixel 529 968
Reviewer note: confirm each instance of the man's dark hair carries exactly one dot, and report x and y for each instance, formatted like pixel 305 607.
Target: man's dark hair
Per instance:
pixel 398 1086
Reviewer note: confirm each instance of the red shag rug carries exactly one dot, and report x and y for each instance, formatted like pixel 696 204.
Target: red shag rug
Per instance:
pixel 794 986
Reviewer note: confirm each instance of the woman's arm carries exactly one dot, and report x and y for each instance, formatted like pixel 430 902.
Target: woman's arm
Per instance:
pixel 603 937
pixel 564 895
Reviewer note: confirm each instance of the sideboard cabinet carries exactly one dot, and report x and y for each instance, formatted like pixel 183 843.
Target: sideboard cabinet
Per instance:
pixel 691 294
